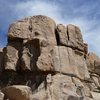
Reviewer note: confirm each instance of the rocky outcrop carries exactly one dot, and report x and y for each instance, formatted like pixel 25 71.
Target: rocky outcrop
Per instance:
pixel 45 61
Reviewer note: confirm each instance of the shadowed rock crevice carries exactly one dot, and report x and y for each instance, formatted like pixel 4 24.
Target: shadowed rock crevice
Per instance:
pixel 57 38
pixel 67 33
pixel 31 52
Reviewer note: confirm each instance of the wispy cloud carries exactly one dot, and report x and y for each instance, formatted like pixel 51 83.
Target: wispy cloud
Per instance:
pixel 38 7
pixel 84 14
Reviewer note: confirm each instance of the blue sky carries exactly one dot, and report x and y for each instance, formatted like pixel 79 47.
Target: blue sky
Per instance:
pixel 83 13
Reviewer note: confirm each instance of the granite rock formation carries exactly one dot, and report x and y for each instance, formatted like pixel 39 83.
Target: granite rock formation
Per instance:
pixel 45 61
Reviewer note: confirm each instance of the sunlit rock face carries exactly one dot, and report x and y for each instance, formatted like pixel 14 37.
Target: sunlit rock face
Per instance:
pixel 46 61
pixel 1 60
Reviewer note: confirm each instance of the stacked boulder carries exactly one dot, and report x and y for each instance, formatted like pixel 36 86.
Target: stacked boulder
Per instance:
pixel 45 61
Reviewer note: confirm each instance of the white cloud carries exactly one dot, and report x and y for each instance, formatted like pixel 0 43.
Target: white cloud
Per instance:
pixel 38 7
pixel 52 9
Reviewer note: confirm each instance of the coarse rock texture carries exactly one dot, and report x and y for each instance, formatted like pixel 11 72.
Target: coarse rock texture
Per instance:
pixel 17 92
pixel 45 61
pixel 93 63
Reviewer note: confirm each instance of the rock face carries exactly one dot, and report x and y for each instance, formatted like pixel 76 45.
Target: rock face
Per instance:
pixel 45 61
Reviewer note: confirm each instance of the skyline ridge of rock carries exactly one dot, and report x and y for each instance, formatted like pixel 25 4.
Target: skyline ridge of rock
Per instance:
pixel 49 61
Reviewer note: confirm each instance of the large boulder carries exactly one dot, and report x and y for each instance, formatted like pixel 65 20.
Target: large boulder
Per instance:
pixel 61 34
pixel 69 61
pixel 17 92
pixel 35 26
pixel 71 36
pixel 29 43
pixel 75 37
pixel 12 55
pixel 93 63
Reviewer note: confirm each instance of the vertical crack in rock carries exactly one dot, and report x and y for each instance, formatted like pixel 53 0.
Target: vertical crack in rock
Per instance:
pixel 57 38
pixel 68 56
pixel 30 25
pixel 60 70
pixel 67 34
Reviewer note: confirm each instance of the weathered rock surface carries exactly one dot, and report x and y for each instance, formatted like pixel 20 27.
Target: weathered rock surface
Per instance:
pixel 36 26
pixel 65 57
pixel 71 36
pixel 45 61
pixel 11 56
pixel 17 92
pixel 96 96
pixel 93 63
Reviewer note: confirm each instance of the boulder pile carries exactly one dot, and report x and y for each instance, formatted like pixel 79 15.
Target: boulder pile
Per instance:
pixel 45 61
